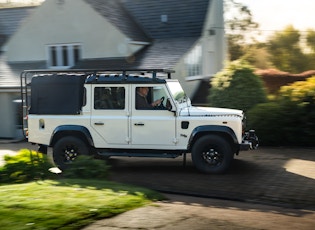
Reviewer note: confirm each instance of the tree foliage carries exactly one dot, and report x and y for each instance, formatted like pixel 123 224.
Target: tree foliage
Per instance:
pixel 288 50
pixel 236 87
pixel 301 93
pixel 310 39
pixel 239 23
pixel 285 51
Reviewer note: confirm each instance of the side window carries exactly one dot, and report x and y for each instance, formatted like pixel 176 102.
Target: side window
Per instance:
pixel 109 98
pixel 150 98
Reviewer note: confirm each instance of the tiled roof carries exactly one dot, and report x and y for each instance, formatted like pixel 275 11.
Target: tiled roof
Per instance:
pixel 165 53
pixel 10 73
pixel 157 55
pixel 184 18
pixel 115 13
pixel 10 20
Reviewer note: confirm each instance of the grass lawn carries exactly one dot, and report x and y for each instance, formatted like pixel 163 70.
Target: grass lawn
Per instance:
pixel 66 204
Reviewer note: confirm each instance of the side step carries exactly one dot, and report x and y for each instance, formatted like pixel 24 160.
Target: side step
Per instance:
pixel 139 154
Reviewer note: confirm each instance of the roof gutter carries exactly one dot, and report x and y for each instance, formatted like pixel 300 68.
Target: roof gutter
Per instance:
pixel 10 89
pixel 199 77
pixel 139 43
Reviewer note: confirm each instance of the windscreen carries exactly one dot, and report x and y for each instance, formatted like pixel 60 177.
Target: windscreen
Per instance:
pixel 177 91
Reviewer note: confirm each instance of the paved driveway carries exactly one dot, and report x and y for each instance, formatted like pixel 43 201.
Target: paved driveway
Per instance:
pixel 282 176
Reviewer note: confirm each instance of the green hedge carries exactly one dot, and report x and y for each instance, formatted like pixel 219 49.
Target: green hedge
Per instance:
pixel 29 165
pixel 290 119
pixel 26 165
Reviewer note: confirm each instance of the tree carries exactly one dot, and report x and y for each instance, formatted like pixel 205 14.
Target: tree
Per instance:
pixel 310 42
pixel 257 55
pixel 238 22
pixel 285 51
pixel 310 39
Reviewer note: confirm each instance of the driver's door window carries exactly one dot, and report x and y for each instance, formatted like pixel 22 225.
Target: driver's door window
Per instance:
pixel 150 98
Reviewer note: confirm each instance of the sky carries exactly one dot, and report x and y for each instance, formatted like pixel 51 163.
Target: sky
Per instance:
pixel 18 1
pixel 274 15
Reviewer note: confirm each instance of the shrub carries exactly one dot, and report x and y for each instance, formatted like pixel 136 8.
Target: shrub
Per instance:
pixel 236 87
pixel 87 167
pixel 264 119
pixel 300 92
pixel 290 119
pixel 26 165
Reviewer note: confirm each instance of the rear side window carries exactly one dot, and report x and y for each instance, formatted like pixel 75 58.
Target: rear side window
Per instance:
pixel 106 98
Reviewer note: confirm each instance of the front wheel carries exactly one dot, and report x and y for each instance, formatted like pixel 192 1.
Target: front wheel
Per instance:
pixel 212 154
pixel 67 149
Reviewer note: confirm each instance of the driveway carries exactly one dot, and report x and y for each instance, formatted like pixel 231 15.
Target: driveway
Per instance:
pixel 277 176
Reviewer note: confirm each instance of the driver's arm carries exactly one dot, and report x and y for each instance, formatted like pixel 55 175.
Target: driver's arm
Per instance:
pixel 156 103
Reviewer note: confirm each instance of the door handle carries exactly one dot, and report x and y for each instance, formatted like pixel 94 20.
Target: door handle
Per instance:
pixel 98 123
pixel 139 124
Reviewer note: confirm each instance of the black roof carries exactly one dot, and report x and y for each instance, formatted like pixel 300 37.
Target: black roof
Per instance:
pixel 184 18
pixel 142 19
pixel 10 72
pixel 11 19
pixel 115 13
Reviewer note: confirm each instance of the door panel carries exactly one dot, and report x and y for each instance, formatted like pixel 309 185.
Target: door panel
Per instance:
pixel 110 115
pixel 153 129
pixel 152 126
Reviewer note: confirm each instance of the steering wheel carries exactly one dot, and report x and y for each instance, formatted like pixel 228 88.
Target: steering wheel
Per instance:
pixel 161 106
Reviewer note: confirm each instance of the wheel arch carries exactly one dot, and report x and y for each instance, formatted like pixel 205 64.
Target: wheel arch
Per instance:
pixel 223 131
pixel 72 130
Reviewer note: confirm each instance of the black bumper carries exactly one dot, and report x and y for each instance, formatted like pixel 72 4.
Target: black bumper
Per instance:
pixel 250 141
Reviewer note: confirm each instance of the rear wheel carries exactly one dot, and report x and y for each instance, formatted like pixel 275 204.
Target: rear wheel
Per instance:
pixel 67 149
pixel 212 154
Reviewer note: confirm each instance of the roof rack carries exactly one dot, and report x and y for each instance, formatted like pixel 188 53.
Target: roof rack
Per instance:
pixel 124 72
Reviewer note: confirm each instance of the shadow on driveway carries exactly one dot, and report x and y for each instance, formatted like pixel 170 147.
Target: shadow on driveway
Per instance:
pixel 277 176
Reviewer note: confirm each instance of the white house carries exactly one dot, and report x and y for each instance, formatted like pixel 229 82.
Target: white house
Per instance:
pixel 184 35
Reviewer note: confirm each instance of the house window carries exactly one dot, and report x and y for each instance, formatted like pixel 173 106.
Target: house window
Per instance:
pixel 63 55
pixel 194 61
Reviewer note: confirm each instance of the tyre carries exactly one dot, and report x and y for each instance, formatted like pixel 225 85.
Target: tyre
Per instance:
pixel 42 149
pixel 67 149
pixel 212 154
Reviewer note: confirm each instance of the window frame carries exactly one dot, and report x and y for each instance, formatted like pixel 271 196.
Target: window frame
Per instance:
pixel 95 108
pixel 64 55
pixel 193 61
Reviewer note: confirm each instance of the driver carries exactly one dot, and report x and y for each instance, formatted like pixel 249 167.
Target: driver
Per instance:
pixel 141 99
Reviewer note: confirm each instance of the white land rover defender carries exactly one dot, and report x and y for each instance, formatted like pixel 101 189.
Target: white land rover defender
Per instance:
pixel 81 112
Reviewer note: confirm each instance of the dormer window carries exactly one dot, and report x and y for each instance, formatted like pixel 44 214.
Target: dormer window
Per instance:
pixel 63 55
